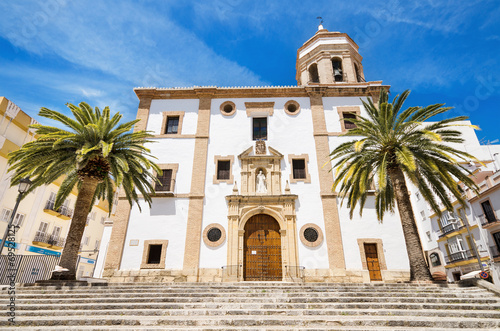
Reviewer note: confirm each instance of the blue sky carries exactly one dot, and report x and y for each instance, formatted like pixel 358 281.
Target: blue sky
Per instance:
pixel 59 51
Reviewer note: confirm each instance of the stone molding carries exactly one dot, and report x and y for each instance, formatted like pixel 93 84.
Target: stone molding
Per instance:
pixel 214 243
pixel 305 241
pixel 145 254
pixel 166 115
pixel 259 108
pixel 304 157
pixel 229 158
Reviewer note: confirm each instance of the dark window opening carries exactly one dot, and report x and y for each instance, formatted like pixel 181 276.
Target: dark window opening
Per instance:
pixel 165 180
pixel 299 168
pixel 228 108
pixel 311 235
pixel 260 128
pixel 435 261
pixel 337 70
pixel 488 211
pixel 496 237
pixel 348 124
pixel 292 108
pixel 172 125
pixel 223 170
pixel 214 234
pixel 154 255
pixel 313 73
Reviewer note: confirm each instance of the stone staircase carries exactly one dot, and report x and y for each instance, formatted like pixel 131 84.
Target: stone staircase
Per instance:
pixel 252 306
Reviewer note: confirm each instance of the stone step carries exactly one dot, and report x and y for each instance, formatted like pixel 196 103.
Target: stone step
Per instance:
pixel 222 328
pixel 256 306
pixel 274 299
pixel 254 321
pixel 231 311
pixel 96 295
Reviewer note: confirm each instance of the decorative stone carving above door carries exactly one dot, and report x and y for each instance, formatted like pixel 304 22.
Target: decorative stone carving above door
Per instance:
pixel 270 165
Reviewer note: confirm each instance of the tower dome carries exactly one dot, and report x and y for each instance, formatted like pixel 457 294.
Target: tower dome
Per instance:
pixel 329 58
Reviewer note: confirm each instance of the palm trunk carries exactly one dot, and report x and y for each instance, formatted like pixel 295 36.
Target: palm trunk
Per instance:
pixel 82 208
pixel 418 266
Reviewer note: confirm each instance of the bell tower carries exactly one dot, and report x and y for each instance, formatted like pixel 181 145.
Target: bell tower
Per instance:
pixel 329 58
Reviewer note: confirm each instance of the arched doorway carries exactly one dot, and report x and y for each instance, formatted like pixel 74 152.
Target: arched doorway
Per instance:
pixel 262 249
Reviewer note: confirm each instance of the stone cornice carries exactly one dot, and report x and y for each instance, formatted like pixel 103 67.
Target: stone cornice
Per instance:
pixel 327 90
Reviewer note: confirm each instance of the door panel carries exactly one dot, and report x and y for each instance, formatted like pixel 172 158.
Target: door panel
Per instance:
pixel 262 249
pixel 372 261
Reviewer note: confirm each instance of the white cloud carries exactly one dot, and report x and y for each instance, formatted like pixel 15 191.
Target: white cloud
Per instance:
pixel 135 44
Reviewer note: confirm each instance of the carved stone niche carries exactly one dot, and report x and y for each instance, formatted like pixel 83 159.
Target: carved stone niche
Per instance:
pixel 252 164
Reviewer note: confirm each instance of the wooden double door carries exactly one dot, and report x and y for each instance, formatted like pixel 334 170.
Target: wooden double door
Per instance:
pixel 262 249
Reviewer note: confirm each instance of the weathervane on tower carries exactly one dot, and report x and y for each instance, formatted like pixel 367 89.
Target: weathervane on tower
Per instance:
pixel 320 26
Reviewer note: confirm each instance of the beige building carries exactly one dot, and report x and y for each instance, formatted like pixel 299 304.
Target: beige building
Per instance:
pixel 42 229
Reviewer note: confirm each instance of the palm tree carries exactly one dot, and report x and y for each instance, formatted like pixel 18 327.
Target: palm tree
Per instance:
pixel 96 154
pixel 395 145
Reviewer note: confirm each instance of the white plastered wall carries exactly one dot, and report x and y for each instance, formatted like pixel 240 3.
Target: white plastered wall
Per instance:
pixel 288 134
pixel 167 217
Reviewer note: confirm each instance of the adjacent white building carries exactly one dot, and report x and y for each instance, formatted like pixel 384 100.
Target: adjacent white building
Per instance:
pixel 449 240
pixel 42 229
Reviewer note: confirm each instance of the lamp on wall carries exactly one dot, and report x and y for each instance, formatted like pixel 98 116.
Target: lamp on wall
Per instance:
pixel 24 186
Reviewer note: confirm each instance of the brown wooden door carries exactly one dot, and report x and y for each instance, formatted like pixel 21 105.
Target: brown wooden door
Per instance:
pixel 262 249
pixel 372 261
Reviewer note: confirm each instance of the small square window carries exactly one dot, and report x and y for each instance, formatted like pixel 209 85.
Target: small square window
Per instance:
pixel 165 179
pixel 260 128
pixel 348 124
pixel 154 255
pixel 299 168
pixel 172 125
pixel 223 170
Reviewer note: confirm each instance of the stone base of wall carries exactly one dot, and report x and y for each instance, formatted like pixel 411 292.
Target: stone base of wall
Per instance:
pixel 216 276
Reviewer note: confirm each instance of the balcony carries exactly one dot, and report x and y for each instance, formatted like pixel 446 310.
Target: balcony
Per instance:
pixel 460 256
pixel 495 253
pixel 63 212
pixel 46 240
pixel 488 220
pixel 452 227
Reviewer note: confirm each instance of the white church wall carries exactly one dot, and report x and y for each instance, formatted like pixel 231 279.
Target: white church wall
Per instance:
pixel 188 106
pixel 288 134
pixel 331 115
pixel 390 230
pixel 176 150
pixel 166 220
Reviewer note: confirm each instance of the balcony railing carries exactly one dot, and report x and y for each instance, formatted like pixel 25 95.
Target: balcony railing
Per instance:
pixel 487 220
pixel 460 256
pixel 63 210
pixel 50 240
pixel 452 227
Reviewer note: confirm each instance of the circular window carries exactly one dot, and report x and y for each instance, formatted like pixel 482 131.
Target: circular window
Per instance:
pixel 214 235
pixel 227 108
pixel 292 107
pixel 311 235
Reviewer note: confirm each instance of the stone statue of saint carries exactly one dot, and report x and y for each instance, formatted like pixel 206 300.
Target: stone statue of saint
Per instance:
pixel 261 183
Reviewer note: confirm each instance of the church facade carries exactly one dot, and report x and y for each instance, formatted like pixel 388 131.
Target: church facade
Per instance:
pixel 246 189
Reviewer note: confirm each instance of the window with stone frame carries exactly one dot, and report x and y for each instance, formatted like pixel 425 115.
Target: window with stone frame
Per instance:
pixel 172 125
pixel 154 254
pixel 259 128
pixel 223 169
pixel 165 178
pixel 299 168
pixel 299 171
pixel 348 125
